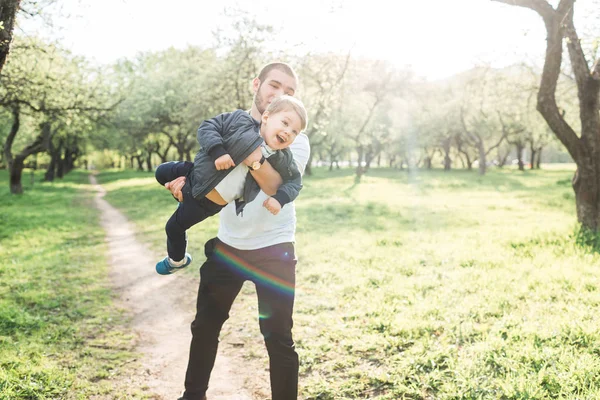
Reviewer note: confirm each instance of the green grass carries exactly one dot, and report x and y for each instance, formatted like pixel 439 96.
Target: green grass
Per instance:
pixel 424 285
pixel 60 335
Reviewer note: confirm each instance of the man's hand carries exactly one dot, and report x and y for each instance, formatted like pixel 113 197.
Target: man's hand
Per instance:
pixel 175 187
pixel 272 205
pixel 256 155
pixel 224 162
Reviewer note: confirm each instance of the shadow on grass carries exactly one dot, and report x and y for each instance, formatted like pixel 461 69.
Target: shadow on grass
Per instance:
pixel 502 180
pixel 109 176
pixel 338 217
pixel 459 179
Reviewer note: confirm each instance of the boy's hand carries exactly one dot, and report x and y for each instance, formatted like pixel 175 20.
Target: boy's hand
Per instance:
pixel 175 187
pixel 272 205
pixel 256 155
pixel 224 162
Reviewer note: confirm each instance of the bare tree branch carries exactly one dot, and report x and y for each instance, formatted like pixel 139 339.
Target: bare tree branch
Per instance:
pixel 547 94
pixel 578 61
pixel 542 7
pixel 596 70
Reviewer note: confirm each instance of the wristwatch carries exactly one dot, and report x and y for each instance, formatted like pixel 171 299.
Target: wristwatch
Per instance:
pixel 256 164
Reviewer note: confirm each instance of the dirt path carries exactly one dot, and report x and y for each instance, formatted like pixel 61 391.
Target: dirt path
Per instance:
pixel 162 308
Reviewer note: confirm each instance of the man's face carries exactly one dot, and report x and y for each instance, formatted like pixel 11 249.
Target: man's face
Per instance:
pixel 275 84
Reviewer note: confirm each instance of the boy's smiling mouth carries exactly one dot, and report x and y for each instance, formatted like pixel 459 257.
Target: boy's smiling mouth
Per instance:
pixel 280 138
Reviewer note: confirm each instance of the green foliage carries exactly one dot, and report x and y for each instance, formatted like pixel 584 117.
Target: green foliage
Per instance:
pixel 60 335
pixel 588 239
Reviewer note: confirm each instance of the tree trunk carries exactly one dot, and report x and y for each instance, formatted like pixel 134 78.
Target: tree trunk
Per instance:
pixel 60 167
pixel 163 158
pixel 16 163
pixel 520 148
pixel 180 152
pixel 392 161
pixel 502 158
pixel 149 162
pixel 533 152
pixel 359 167
pixel 71 153
pixel 140 163
pixel 60 162
pixel 587 191
pixel 49 175
pixel 428 163
pixel 447 162
pixel 482 159
pixel 16 172
pixel 467 161
pixel 54 155
pixel 69 161
pixel 8 11
pixel 369 156
pixel 308 168
pixel 538 161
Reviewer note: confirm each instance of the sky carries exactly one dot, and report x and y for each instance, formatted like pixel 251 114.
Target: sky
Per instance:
pixel 437 38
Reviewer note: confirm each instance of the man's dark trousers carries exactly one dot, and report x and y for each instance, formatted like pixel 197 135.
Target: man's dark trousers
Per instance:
pixel 273 271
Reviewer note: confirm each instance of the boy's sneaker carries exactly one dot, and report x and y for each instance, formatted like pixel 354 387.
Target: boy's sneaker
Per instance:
pixel 164 266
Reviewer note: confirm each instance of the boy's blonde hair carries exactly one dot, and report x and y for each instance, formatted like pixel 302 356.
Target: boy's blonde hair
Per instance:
pixel 289 103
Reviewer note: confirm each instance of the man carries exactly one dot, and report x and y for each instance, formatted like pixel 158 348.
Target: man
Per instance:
pixel 255 246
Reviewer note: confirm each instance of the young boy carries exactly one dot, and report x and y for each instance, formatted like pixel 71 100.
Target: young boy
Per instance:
pixel 226 141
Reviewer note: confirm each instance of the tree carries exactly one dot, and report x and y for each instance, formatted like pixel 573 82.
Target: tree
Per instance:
pixel 583 148
pixel 8 12
pixel 479 115
pixel 322 79
pixel 244 56
pixel 44 86
pixel 369 115
pixel 436 122
pixel 169 93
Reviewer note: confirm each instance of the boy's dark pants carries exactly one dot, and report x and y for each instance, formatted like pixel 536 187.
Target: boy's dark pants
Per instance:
pixel 189 212
pixel 273 271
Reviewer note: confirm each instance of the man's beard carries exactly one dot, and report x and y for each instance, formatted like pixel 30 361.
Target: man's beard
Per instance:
pixel 258 101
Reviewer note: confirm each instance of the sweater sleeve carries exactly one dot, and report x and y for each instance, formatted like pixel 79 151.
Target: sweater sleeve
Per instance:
pixel 210 135
pixel 283 162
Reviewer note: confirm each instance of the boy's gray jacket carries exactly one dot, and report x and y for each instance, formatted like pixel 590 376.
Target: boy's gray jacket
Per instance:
pixel 237 134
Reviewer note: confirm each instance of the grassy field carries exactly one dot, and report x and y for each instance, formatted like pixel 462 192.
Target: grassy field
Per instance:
pixel 421 285
pixel 60 337
pixel 425 285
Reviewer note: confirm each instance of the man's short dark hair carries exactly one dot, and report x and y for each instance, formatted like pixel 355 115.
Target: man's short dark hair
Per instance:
pixel 281 66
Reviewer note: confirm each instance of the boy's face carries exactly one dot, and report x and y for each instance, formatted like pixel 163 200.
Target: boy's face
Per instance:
pixel 280 129
pixel 275 84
